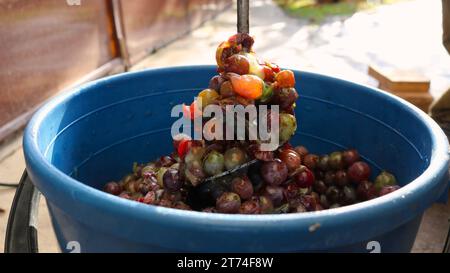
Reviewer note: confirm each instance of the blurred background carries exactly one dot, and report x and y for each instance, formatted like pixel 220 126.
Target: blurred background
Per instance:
pixel 50 46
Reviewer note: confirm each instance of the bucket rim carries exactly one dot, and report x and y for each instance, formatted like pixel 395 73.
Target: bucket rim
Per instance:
pixel 410 195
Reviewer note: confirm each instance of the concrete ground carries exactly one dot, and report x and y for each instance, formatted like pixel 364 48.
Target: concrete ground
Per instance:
pixel 405 35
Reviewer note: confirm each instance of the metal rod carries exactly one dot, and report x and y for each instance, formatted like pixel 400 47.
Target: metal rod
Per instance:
pixel 242 16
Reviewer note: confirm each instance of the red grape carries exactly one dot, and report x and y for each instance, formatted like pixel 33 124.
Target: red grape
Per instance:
pixel 341 178
pixel 172 181
pixel 304 179
pixel 291 158
pixel 285 79
pixel 113 188
pixel 350 157
pixel 243 187
pixel 310 161
pixel 275 194
pixel 388 189
pixel 359 171
pixel 238 64
pixel 366 191
pixel 250 207
pixel 274 172
pixel 228 202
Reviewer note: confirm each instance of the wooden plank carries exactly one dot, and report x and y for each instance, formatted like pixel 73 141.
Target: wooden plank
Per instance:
pixel 397 80
pixel 421 100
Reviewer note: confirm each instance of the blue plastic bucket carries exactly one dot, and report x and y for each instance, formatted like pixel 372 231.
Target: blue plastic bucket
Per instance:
pixel 78 141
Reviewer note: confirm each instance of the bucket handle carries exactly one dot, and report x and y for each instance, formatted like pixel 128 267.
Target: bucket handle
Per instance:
pixel 21 232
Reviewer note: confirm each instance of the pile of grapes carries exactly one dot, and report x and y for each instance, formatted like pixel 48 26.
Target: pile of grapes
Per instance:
pixel 288 179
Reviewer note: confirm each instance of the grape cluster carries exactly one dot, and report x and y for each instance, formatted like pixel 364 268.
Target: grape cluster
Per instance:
pixel 288 179
pixel 243 79
pixel 292 180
